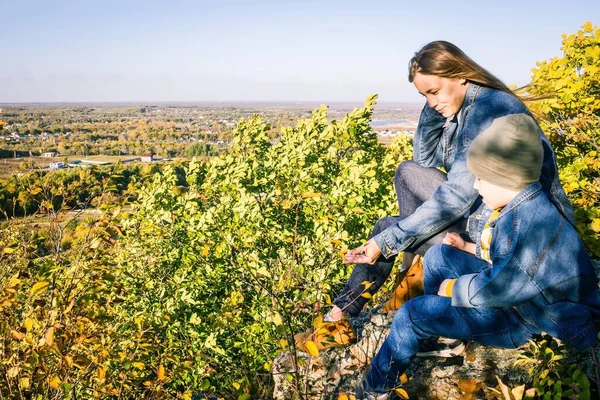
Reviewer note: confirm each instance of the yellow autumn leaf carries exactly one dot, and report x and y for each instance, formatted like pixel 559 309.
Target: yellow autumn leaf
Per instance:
pixel 366 284
pixel 403 378
pixel 370 174
pixel 13 281
pixel 312 349
pixel 35 191
pixel 13 372
pixel 205 250
pixel 138 365
pixel 69 361
pixel 277 319
pixel 17 335
pixel 24 383
pixel 530 392
pixel 518 392
pixel 309 195
pixel 69 306
pixel 401 393
pixel 366 295
pixel 101 374
pixel 503 388
pixel 54 382
pixel 283 343
pixel 8 250
pixel 39 288
pixel 343 397
pixel 28 324
pixel 318 322
pixel 161 373
pixel 569 187
pixel 595 225
pixel 49 336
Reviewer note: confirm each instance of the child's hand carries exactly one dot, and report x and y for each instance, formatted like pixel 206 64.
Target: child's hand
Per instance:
pixel 444 290
pixel 454 240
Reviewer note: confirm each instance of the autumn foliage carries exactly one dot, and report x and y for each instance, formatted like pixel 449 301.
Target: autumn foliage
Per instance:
pixel 204 281
pixel 570 90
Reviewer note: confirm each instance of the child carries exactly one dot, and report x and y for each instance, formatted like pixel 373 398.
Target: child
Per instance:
pixel 527 271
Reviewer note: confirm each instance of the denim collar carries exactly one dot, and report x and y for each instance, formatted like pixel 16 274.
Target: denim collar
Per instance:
pixel 470 95
pixel 531 191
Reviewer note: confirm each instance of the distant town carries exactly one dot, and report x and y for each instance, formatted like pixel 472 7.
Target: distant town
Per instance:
pixel 61 136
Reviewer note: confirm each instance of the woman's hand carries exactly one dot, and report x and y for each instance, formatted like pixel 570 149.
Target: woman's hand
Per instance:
pixel 454 240
pixel 368 253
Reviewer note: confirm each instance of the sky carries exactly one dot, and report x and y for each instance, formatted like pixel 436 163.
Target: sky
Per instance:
pixel 262 50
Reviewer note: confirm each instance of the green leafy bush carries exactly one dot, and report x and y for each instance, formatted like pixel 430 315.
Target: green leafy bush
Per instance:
pixel 552 378
pixel 246 254
pixel 569 88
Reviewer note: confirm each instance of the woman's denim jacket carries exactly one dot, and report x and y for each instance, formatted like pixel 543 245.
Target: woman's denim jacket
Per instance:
pixel 539 266
pixel 440 144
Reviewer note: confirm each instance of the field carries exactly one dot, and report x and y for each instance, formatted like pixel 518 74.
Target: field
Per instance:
pixel 12 166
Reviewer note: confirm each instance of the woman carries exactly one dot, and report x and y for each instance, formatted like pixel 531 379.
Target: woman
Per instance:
pixel 462 100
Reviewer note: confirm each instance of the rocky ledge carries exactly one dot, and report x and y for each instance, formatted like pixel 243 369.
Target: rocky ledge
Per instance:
pixel 471 376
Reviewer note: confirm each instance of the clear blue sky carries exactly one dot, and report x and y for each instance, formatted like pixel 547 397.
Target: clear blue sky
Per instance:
pixel 265 50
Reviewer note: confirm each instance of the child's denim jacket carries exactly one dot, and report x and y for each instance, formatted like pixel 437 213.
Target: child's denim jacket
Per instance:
pixel 438 143
pixel 539 267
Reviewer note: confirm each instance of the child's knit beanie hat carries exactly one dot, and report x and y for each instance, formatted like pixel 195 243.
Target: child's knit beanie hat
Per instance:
pixel 509 153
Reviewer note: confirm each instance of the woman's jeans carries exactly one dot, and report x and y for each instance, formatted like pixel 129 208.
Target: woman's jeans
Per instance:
pixel 414 185
pixel 431 315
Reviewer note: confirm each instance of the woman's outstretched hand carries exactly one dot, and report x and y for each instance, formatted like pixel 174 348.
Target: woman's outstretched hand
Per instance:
pixel 368 253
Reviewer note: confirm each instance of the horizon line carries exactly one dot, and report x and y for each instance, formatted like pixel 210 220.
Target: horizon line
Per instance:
pixel 183 102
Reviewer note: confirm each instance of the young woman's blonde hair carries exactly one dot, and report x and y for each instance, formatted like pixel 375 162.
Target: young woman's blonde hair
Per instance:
pixel 444 59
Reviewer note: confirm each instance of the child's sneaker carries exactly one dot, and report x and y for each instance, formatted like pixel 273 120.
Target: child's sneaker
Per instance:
pixel 441 347
pixel 361 394
pixel 410 286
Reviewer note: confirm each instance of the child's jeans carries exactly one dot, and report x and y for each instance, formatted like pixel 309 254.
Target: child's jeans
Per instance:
pixel 433 315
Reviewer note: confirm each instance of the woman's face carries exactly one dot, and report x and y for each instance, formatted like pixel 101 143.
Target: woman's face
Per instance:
pixel 445 95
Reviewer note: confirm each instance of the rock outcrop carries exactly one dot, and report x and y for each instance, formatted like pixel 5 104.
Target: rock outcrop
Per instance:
pixel 471 376
pixel 339 370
